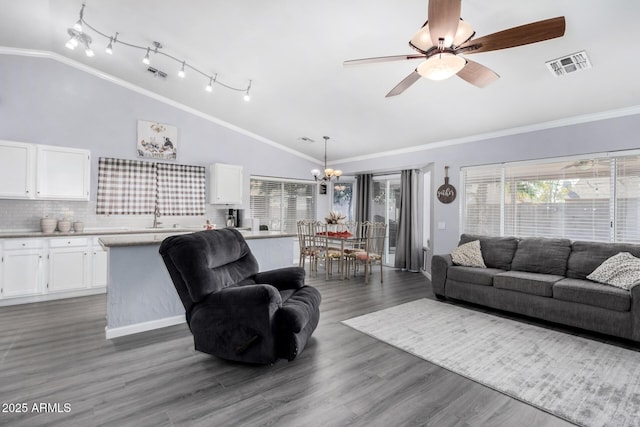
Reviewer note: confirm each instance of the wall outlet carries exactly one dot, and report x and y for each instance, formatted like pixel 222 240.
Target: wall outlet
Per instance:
pixel 442 225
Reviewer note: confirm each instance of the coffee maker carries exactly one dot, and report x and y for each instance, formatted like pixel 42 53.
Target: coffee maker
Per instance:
pixel 234 218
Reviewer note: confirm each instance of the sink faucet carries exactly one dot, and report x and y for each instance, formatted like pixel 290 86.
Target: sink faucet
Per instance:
pixel 156 215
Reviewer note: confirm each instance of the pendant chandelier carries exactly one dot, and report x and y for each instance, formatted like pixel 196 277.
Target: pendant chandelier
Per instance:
pixel 329 173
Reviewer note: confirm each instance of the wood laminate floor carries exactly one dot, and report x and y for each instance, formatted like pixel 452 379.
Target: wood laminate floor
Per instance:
pixel 55 353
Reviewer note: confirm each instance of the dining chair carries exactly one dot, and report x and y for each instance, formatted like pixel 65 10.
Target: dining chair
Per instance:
pixel 309 246
pixel 374 238
pixel 328 252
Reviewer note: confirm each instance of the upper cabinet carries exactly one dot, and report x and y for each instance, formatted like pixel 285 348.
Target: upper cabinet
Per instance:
pixel 57 173
pixel 16 170
pixel 62 173
pixel 226 184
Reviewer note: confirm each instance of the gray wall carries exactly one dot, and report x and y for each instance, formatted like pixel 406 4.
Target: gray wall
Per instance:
pixel 610 134
pixel 44 101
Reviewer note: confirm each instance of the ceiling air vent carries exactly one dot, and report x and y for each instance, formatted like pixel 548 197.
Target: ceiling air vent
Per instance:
pixel 157 73
pixel 569 64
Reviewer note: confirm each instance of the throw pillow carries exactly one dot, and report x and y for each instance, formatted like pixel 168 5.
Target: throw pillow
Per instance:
pixel 468 255
pixel 621 270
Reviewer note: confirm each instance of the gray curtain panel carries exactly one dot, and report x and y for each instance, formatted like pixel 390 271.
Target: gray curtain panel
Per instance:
pixel 364 188
pixel 408 241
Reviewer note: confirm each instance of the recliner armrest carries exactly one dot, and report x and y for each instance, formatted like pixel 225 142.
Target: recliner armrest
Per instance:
pixel 246 295
pixel 282 278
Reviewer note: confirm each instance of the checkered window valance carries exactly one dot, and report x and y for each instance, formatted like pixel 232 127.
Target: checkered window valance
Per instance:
pixel 133 187
pixel 181 189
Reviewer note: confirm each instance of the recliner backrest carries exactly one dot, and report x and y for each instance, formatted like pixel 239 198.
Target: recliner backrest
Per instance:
pixel 207 261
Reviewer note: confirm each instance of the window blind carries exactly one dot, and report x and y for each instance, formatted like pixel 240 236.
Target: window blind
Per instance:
pixel 567 199
pixel 482 200
pixel 279 204
pixel 627 200
pixel 595 199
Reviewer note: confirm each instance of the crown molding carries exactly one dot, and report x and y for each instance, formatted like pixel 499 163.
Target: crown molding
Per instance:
pixel 135 88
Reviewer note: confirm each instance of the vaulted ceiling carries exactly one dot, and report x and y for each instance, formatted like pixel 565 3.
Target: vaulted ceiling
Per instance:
pixel 293 52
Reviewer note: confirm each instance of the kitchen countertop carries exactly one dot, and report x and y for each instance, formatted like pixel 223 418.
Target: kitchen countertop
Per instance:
pixel 140 239
pixel 125 232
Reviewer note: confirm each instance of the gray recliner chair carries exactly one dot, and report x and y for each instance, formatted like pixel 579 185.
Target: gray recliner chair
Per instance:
pixel 234 311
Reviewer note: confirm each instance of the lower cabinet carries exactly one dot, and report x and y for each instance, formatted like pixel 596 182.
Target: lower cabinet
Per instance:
pixel 68 264
pixel 22 272
pixel 50 268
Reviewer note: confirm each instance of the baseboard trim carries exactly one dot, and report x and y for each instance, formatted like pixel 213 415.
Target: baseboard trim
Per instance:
pixel 52 296
pixel 143 326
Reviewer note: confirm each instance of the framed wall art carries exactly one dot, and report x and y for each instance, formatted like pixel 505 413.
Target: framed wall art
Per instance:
pixel 157 140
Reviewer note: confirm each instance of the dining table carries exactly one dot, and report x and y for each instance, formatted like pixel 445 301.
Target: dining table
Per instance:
pixel 344 238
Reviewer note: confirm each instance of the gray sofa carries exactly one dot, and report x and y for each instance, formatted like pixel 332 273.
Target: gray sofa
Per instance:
pixel 546 279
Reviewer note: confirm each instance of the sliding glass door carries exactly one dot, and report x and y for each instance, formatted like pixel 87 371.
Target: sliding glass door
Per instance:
pixel 385 207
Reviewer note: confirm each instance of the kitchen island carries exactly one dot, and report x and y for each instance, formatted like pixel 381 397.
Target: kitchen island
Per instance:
pixel 140 293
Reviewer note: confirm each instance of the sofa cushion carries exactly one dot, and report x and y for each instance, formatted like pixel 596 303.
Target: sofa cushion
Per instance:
pixel 587 256
pixel 621 270
pixel 526 282
pixel 542 255
pixel 497 252
pixel 468 254
pixel 477 276
pixel 592 293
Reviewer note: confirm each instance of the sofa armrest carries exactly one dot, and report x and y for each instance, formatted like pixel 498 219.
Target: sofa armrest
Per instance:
pixel 282 278
pixel 635 310
pixel 439 266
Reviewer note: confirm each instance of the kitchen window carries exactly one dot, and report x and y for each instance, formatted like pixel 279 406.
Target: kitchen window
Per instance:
pixel 134 187
pixel 280 203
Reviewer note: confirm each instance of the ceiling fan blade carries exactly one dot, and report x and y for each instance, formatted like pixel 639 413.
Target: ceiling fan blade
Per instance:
pixel 383 59
pixel 404 84
pixel 477 74
pixel 444 17
pixel 517 36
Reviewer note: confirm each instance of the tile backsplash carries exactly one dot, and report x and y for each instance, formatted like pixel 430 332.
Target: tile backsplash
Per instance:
pixel 25 215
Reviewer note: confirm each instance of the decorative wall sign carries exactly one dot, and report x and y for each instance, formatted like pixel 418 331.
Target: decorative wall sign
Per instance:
pixel 157 140
pixel 446 192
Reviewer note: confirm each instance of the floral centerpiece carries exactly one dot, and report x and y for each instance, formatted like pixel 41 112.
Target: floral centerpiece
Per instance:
pixel 335 218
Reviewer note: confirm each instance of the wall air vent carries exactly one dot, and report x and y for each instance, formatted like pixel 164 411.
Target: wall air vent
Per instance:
pixel 569 64
pixel 157 73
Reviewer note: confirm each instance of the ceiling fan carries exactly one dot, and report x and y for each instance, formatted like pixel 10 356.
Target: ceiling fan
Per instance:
pixel 445 36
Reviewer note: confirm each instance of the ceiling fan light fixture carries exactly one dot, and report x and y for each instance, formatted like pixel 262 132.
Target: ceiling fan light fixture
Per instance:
pixel 441 66
pixel 421 40
pixel 463 33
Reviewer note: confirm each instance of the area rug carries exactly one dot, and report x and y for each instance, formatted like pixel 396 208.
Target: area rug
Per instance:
pixel 583 381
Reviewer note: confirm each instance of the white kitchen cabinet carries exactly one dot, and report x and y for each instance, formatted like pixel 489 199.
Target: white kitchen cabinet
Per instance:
pixel 99 265
pixel 31 171
pixel 225 184
pixel 16 170
pixel 62 173
pixel 22 268
pixel 68 264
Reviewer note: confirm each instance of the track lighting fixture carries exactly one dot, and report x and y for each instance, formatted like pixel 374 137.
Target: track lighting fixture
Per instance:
pixel 146 60
pixel 212 80
pixel 79 36
pixel 247 96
